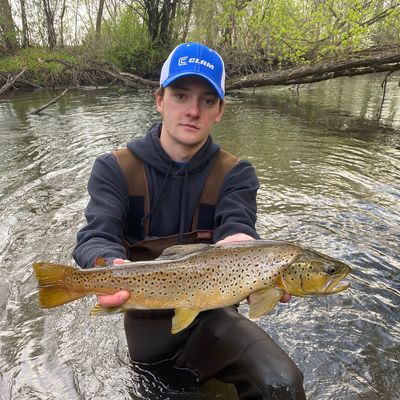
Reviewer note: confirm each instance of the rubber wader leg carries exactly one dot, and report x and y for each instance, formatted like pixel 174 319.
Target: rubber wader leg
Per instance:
pixel 231 348
pixel 150 339
pixel 152 349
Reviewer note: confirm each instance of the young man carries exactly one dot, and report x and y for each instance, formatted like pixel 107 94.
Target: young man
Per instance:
pixel 175 185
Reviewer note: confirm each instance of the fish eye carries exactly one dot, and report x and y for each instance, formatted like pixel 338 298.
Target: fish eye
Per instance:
pixel 332 270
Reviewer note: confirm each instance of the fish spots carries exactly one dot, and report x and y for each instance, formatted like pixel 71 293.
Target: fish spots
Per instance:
pixel 217 273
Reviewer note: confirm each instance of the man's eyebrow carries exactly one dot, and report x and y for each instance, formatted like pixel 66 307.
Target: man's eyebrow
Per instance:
pixel 177 86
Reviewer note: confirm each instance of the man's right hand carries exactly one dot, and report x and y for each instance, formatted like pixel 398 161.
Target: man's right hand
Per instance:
pixel 118 298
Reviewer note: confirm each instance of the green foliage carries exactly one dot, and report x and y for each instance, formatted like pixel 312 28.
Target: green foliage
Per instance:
pixel 33 59
pixel 294 32
pixel 125 42
pixel 38 71
pixel 204 26
pixel 251 35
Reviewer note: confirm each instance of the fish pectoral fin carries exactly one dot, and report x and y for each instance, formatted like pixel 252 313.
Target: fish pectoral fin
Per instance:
pixel 183 318
pixel 99 310
pixel 263 301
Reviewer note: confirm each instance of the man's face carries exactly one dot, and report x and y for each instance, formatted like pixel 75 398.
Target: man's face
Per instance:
pixel 190 108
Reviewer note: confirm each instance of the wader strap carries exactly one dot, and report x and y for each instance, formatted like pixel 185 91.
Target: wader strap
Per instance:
pixel 135 175
pixel 222 164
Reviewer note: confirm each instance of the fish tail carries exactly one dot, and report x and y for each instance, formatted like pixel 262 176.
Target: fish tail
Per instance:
pixel 53 290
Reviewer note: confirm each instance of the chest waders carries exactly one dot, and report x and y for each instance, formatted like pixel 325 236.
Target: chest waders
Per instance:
pixel 220 343
pixel 135 175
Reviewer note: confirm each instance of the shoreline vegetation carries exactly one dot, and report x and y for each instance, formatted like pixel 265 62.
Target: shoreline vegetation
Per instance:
pixel 68 72
pixel 275 42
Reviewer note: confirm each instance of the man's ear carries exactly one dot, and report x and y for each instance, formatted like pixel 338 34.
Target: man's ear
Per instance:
pixel 221 111
pixel 159 103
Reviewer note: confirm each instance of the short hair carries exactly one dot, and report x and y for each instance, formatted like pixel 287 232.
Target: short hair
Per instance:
pixel 160 91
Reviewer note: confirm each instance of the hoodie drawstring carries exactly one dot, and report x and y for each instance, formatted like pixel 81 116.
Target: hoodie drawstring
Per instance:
pixel 183 206
pixel 148 215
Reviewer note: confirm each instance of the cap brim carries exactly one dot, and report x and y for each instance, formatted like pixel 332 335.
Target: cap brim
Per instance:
pixel 171 79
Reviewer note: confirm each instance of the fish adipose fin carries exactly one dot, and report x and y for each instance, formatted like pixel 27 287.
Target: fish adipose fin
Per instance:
pixel 53 291
pixel 263 301
pixel 183 318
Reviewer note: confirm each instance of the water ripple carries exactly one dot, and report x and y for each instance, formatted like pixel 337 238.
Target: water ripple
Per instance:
pixel 329 180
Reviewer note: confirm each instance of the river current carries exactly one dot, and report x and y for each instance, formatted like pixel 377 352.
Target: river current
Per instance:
pixel 329 165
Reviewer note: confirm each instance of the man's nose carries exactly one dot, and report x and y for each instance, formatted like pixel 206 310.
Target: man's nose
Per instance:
pixel 194 108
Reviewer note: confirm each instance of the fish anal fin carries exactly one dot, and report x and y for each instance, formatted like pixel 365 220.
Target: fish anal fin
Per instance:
pixel 263 301
pixel 99 310
pixel 183 318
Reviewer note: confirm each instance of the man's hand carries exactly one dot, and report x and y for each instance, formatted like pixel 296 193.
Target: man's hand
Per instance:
pixel 118 298
pixel 285 298
pixel 237 237
pixel 240 237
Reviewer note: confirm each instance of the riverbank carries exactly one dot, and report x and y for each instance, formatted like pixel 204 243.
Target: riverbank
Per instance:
pixel 39 72
pixel 69 67
pixel 74 67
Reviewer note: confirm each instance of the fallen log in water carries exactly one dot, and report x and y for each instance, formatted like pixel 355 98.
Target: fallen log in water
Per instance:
pixel 386 59
pixel 38 110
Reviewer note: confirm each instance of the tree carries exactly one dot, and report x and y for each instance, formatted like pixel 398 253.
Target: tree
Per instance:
pixel 230 20
pixel 98 19
pixel 24 22
pixel 63 9
pixel 159 16
pixel 187 21
pixel 49 13
pixel 8 36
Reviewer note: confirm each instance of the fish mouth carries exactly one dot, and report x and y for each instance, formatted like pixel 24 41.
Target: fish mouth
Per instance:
pixel 336 285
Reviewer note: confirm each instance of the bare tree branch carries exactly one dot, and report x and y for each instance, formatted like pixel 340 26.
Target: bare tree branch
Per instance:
pixel 11 80
pixel 37 111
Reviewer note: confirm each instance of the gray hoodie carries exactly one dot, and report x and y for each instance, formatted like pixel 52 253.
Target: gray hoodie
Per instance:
pixel 174 191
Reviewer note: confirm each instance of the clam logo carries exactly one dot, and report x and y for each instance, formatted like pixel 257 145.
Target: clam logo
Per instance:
pixel 186 60
pixel 182 61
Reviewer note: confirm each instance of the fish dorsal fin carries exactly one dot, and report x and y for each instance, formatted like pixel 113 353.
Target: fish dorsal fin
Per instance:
pixel 263 301
pixel 183 318
pixel 181 250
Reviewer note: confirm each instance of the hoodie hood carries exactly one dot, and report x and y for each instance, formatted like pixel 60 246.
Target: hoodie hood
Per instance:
pixel 148 148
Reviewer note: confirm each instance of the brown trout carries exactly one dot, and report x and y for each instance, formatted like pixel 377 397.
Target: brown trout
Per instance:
pixel 194 278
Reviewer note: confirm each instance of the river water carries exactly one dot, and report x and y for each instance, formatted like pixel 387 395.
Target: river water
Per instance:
pixel 330 179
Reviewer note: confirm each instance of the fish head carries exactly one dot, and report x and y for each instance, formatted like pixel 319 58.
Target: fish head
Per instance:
pixel 313 273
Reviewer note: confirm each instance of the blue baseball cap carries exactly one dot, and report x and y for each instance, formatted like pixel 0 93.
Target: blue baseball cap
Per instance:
pixel 196 59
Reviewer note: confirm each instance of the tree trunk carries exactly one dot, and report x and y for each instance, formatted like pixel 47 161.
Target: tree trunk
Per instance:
pixel 99 19
pixel 25 32
pixel 153 19
pixel 8 36
pixel 159 17
pixel 51 32
pixel 64 7
pixel 167 18
pixel 187 22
